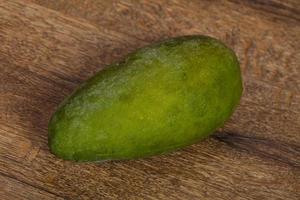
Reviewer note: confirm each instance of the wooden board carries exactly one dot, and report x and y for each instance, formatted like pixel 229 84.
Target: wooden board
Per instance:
pixel 47 48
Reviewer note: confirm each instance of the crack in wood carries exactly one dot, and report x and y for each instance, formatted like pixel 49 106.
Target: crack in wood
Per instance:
pixel 32 185
pixel 283 152
pixel 272 6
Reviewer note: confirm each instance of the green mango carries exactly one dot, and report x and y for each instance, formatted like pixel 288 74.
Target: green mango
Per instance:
pixel 159 99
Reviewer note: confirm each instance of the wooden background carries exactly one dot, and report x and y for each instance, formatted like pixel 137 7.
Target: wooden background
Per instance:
pixel 48 47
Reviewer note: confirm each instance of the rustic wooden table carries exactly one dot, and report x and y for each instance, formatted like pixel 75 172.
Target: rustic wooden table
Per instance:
pixel 48 47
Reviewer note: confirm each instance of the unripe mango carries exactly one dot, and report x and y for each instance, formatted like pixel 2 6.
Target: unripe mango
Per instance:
pixel 159 99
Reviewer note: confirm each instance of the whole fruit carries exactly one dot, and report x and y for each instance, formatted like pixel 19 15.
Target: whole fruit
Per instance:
pixel 160 98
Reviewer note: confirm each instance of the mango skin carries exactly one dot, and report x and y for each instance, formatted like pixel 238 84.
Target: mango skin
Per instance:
pixel 159 99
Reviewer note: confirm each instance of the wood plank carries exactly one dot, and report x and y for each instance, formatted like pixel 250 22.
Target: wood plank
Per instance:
pixel 45 53
pixel 17 190
pixel 249 32
pixel 274 9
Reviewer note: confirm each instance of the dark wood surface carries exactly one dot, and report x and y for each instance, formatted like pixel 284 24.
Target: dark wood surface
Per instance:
pixel 47 48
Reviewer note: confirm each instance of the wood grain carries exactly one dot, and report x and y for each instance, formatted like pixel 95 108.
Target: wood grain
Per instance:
pixel 24 191
pixel 49 47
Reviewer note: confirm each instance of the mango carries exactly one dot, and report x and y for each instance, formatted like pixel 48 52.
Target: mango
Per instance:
pixel 158 99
